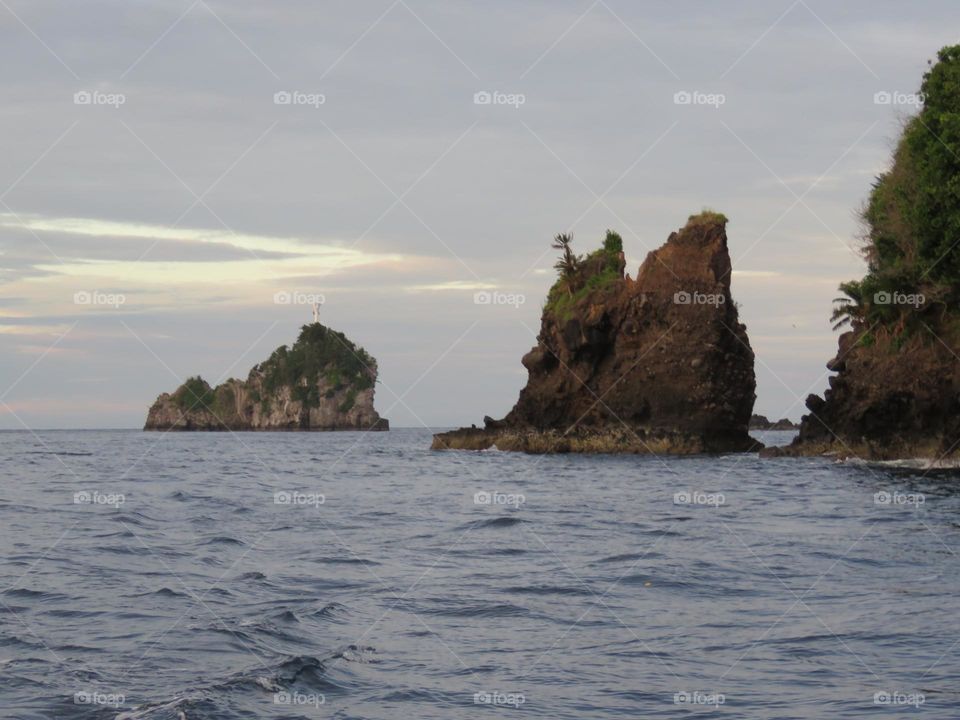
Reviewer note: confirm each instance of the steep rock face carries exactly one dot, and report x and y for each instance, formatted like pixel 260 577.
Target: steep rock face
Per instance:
pixel 658 364
pixel 889 400
pixel 323 382
pixel 896 394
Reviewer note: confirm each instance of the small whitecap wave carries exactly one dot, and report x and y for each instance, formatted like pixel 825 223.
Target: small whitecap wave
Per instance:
pixel 903 463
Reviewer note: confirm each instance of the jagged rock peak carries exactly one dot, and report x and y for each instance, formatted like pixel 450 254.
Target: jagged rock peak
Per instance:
pixel 657 364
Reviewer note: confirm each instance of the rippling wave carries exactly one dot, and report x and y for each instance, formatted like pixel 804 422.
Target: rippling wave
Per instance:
pixel 211 577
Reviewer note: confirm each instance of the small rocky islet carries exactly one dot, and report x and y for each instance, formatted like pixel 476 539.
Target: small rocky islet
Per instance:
pixel 323 382
pixel 762 422
pixel 656 364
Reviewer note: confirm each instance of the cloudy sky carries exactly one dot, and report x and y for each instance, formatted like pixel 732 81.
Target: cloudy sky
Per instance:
pixel 171 165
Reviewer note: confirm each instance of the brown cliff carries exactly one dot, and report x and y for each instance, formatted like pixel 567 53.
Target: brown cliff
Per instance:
pixel 660 364
pixel 890 399
pixel 896 392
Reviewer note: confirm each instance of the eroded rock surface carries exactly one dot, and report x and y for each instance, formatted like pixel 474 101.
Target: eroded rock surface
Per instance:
pixel 888 400
pixel 659 364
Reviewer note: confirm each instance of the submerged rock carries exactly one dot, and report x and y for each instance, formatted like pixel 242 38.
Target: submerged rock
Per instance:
pixel 323 382
pixel 660 364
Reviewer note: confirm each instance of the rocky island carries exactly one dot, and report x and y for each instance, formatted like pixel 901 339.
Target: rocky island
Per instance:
pixel 896 392
pixel 659 364
pixel 762 422
pixel 322 382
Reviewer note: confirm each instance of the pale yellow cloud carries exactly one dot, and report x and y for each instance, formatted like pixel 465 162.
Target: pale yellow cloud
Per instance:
pixel 311 257
pixel 145 274
pixel 51 330
pixel 53 288
pixel 460 285
pixel 760 274
pixel 92 227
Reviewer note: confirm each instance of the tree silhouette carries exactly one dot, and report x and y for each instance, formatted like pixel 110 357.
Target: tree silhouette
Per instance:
pixel 849 308
pixel 568 263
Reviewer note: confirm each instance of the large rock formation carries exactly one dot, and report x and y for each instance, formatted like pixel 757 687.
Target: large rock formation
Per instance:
pixel 896 394
pixel 660 364
pixel 889 399
pixel 323 382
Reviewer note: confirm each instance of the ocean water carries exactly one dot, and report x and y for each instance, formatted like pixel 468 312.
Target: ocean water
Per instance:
pixel 345 575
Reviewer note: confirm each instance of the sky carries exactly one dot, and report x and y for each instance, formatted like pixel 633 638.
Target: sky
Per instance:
pixel 182 178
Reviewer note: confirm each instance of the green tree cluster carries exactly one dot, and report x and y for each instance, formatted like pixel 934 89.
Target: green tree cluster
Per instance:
pixel 318 351
pixel 912 216
pixel 579 275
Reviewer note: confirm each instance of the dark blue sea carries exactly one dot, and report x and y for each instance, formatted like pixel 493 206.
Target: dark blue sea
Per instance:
pixel 344 575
